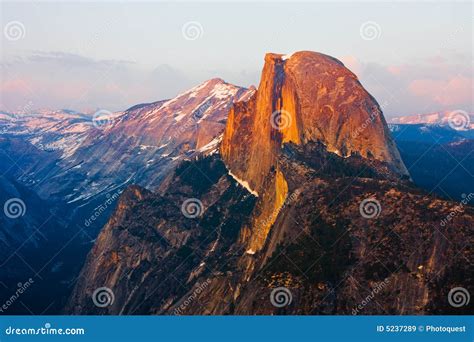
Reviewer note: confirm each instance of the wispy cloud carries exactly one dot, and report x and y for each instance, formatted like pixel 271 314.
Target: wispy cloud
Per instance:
pixel 66 80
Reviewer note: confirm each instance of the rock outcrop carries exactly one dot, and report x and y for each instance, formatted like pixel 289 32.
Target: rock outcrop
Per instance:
pixel 303 97
pixel 321 209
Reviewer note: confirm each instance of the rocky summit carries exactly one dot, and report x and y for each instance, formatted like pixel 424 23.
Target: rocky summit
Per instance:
pixel 306 208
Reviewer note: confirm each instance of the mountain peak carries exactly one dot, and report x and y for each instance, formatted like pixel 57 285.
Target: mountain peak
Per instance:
pixel 215 80
pixel 305 97
pixel 298 56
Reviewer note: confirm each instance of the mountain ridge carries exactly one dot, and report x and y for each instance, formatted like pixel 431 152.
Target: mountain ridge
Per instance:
pixel 306 229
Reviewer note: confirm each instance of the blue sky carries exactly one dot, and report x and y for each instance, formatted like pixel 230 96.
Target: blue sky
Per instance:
pixel 112 55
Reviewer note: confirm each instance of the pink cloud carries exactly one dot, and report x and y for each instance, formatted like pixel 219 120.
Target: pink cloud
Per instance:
pixel 353 64
pixel 395 69
pixel 15 86
pixel 454 91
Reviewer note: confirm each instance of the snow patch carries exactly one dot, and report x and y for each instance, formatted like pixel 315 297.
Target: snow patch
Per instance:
pixel 245 184
pixel 179 117
pixel 212 144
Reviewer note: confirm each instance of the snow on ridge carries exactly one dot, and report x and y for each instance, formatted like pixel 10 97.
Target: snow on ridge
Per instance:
pixel 180 116
pixel 245 184
pixel 190 92
pixel 436 118
pixel 212 144
pixel 224 90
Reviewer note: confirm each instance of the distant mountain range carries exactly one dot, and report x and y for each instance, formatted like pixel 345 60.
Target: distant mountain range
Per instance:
pixel 242 191
pixel 458 119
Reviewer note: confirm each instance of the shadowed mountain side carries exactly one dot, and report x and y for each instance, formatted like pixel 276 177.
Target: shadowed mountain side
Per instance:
pixel 158 261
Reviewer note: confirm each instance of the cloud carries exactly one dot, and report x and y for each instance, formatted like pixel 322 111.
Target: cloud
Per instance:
pixel 434 84
pixel 66 80
pixel 352 63
pixel 455 91
pixel 70 59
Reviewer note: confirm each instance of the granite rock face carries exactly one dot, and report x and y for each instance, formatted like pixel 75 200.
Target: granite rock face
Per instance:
pixel 321 209
pixel 320 247
pixel 305 97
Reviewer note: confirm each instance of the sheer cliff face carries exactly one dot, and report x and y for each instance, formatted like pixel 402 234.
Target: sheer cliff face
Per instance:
pixel 302 98
pixel 305 97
